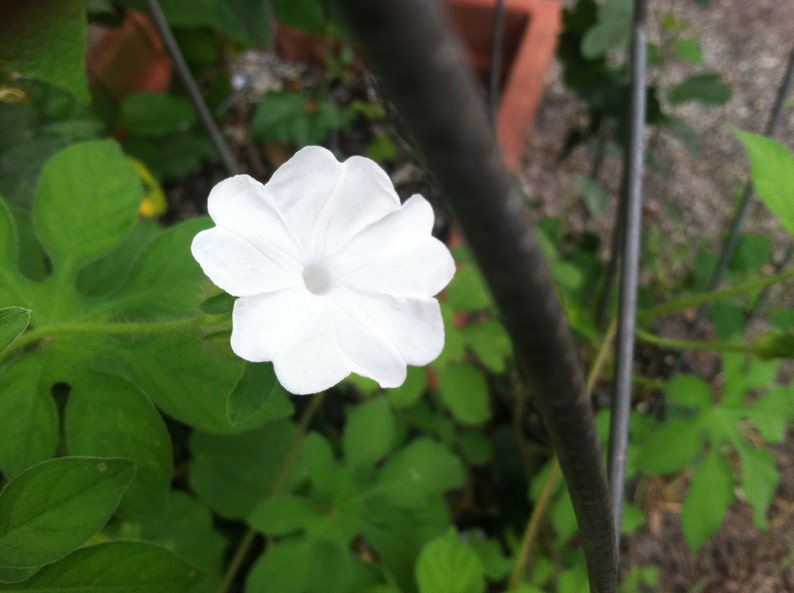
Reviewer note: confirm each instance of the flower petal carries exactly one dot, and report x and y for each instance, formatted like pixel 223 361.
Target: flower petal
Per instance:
pixel 325 202
pixel 413 220
pixel 241 205
pixel 414 325
pixel 238 267
pixel 417 268
pixel 370 350
pixel 263 324
pixel 312 361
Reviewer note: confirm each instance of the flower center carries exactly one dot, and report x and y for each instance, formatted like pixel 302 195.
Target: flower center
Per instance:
pixel 317 278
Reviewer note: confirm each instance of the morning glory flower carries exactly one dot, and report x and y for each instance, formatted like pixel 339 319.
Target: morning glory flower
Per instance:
pixel 334 276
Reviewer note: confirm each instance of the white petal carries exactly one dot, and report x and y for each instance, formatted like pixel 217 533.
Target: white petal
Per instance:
pixel 417 268
pixel 414 325
pixel 312 361
pixel 240 204
pixel 413 220
pixel 263 324
pixel 238 267
pixel 371 351
pixel 325 202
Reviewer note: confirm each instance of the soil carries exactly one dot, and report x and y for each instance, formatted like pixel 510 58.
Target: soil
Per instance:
pixel 690 200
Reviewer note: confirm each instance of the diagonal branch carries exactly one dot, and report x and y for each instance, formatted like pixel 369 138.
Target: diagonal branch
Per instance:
pixel 408 44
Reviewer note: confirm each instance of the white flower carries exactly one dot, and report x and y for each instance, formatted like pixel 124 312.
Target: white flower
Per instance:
pixel 333 275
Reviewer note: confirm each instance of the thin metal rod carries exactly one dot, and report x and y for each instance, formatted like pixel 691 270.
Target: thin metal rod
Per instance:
pixel 409 45
pixel 630 264
pixel 191 87
pixel 741 214
pixel 496 59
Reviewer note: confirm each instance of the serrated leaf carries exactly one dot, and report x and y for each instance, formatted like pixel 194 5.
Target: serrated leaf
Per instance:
pixel 56 506
pixel 132 567
pixel 13 321
pixel 369 432
pixel 28 416
pixel 710 494
pixel 689 391
pixel 464 391
pixel 744 373
pixel 87 199
pixel 108 416
pixel 760 479
pixel 233 473
pixel 772 167
pixel 49 44
pixel 447 565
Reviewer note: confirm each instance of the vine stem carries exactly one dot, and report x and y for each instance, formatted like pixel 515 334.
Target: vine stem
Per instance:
pixel 120 328
pixel 691 345
pixel 539 511
pixel 700 299
pixel 278 485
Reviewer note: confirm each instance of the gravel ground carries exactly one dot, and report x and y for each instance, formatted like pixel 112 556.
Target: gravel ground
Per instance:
pixel 687 197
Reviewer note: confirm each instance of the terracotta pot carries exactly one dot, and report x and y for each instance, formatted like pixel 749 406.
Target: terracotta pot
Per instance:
pixel 531 28
pixel 530 38
pixel 129 59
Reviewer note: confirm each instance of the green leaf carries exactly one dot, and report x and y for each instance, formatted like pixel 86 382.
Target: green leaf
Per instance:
pixel 490 342
pixel 465 392
pixel 769 346
pixel 313 16
pixel 447 565
pixel 283 515
pixel 155 115
pixel 56 506
pixel 411 390
pixel 592 192
pixel 671 447
pixel 467 291
pixel 419 471
pixel 708 499
pixel 772 413
pixel 760 479
pixel 28 416
pixel 13 321
pixel 252 392
pixel 47 41
pixel 689 391
pixel 232 473
pixel 369 432
pixel 132 567
pixel 612 30
pixel 772 167
pixel 108 416
pixel 743 374
pixel 704 88
pixel 689 50
pixel 185 528
pixel 289 116
pixel 86 202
